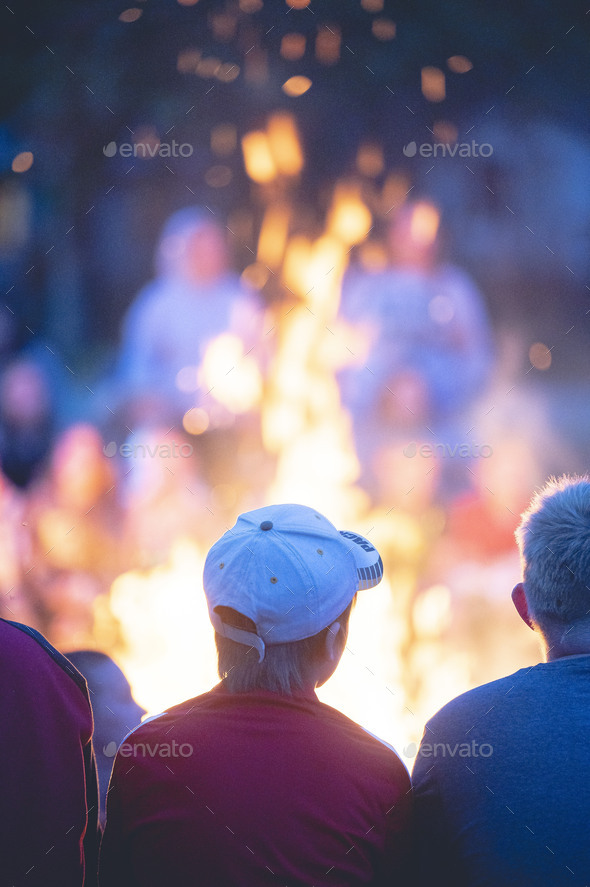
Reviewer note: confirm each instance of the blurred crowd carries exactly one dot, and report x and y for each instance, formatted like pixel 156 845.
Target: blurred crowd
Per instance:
pixel 176 444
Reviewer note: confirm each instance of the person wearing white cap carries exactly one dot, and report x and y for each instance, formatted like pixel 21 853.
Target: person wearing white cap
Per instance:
pixel 268 785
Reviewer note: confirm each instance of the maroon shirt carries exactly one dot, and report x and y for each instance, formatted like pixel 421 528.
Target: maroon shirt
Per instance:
pixel 255 789
pixel 48 788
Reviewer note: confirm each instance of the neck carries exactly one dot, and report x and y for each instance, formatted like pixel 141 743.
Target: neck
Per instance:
pixel 567 640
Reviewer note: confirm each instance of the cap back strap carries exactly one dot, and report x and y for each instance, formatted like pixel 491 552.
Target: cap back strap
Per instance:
pixel 239 635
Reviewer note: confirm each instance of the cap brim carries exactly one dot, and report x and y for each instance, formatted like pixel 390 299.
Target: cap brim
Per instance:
pixel 369 566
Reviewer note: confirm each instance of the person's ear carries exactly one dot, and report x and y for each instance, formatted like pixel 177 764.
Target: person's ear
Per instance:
pixel 333 651
pixel 521 604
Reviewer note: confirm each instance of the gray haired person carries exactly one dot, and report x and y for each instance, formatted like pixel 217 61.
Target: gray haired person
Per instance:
pixel 502 776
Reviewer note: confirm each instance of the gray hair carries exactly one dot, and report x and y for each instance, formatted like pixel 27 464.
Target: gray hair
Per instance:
pixel 554 542
pixel 285 668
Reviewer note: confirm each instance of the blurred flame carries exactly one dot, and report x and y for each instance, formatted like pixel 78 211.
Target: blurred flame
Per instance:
pixel 273 235
pixel 432 611
pixel 169 654
pixel 424 224
pixel 283 140
pixel 349 218
pixel 258 158
pixel 230 376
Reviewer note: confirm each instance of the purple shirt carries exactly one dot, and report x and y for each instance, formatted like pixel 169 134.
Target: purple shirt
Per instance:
pixel 257 789
pixel 48 789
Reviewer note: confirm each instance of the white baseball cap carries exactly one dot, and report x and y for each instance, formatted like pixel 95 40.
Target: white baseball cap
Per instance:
pixel 289 570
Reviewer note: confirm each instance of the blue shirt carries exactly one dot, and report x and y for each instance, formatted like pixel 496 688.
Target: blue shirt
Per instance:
pixel 502 782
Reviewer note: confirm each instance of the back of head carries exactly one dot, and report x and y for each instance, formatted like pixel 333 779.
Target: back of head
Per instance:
pixel 554 542
pixel 192 246
pixel 286 668
pixel 280 586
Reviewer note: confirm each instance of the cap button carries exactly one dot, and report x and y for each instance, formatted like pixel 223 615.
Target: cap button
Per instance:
pixel 266 525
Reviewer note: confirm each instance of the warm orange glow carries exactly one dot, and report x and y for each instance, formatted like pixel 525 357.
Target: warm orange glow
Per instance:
pixel 256 66
pixel 231 377
pixel 228 72
pixel 146 142
pixel 251 5
pixel 273 235
pixel 195 421
pixel 169 652
pixel 131 15
pixel 372 5
pixel 383 29
pixel 258 158
pixel 459 64
pixel 394 194
pixel 349 218
pixel 444 132
pixel 296 86
pixel 188 2
pixel 224 139
pixel 327 44
pixel 283 140
pixel 223 26
pixel 208 67
pixel 188 60
pixel 540 356
pixel 297 4
pixel 369 160
pixel 293 46
pixel 22 162
pixel 373 257
pixel 255 276
pixel 433 84
pixel 297 256
pixel 218 176
pixel 424 224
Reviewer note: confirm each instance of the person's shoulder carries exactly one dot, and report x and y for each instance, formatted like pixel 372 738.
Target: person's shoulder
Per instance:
pixel 160 724
pixel 22 646
pixel 358 737
pixel 479 699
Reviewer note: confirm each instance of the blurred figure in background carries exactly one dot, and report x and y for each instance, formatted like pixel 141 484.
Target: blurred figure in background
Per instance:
pixel 26 420
pixel 115 711
pixel 73 525
pixel 192 350
pixel 193 300
pixel 421 343
pixel 161 492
